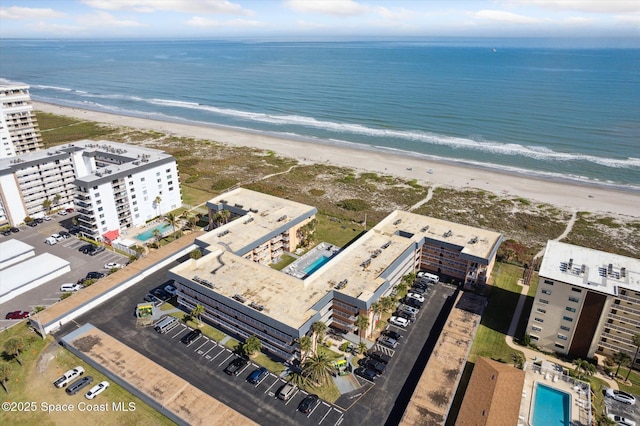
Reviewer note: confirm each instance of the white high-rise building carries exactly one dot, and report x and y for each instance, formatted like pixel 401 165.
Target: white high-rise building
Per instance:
pixel 113 186
pixel 19 132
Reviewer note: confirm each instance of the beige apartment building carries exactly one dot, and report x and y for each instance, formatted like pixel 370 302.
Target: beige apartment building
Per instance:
pixel 19 132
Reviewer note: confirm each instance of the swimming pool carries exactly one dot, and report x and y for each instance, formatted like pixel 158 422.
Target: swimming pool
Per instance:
pixel 317 264
pixel 146 235
pixel 551 407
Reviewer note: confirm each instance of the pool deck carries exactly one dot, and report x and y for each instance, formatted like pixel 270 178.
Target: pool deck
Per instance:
pixel 297 268
pixel 553 377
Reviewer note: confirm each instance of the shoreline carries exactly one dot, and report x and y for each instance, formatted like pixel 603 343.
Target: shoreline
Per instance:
pixel 572 196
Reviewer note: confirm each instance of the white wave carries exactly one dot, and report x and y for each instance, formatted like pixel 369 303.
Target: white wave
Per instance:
pixel 60 89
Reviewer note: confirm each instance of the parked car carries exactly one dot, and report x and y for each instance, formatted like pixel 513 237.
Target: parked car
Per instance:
pixel 78 385
pixel 6 232
pixel 46 218
pixel 287 391
pixel 258 375
pixel 192 336
pixel 399 321
pixel 69 210
pixel 374 365
pixel 393 334
pixel 65 234
pixel 308 403
pixel 94 275
pixel 236 365
pixel 57 237
pixel 416 296
pixel 621 396
pixel 410 317
pixel 621 421
pixel 68 376
pixel 171 289
pixel 112 265
pixel 14 230
pixel 32 224
pixel 96 250
pixel 70 287
pixel 85 248
pixel 366 373
pixel 62 213
pixel 96 390
pixel 414 303
pixel 17 315
pixel 153 299
pixel 418 290
pixel 408 309
pixel 380 357
pixel 161 294
pixel 388 342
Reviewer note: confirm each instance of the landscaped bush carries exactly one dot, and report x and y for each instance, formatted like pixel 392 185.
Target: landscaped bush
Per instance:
pixel 353 204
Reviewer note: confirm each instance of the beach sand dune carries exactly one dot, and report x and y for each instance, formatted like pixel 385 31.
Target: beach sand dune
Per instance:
pixel 567 195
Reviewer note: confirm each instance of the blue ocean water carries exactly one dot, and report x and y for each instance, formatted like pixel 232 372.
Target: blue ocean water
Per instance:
pixel 563 113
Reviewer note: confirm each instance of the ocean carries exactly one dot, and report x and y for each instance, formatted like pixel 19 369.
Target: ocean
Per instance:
pixel 517 106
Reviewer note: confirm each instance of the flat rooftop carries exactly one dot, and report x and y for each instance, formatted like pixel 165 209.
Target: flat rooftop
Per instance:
pixel 13 248
pixel 360 267
pixel 588 268
pixel 266 215
pixel 29 271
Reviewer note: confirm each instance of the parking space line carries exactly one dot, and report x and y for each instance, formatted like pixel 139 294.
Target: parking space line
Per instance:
pixel 205 354
pixel 219 353
pixel 226 359
pixel 340 419
pixel 325 415
pixel 181 330
pixel 197 338
pixel 314 409
pixel 292 396
pixel 198 348
pixel 272 384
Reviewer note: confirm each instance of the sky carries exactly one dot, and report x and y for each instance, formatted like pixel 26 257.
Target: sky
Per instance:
pixel 319 19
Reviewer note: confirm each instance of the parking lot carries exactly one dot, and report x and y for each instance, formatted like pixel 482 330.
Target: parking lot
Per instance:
pixel 202 363
pixel 49 292
pixel 621 409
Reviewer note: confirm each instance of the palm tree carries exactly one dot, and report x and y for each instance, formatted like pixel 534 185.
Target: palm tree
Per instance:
pixel 196 312
pixel 157 202
pixel 319 329
pixel 584 368
pixel 387 303
pixel 46 204
pixel 173 220
pixel 224 215
pixel 636 342
pixel 518 359
pixel 251 345
pixel 362 347
pixel 13 347
pixel 376 307
pixel 156 235
pixel 5 375
pixel 362 322
pixel 318 369
pixel 621 358
pixel 297 378
pixel 305 344
pixel 56 199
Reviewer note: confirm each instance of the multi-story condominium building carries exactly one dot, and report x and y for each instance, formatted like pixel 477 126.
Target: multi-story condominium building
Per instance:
pixel 240 293
pixel 19 132
pixel 587 301
pixel 112 185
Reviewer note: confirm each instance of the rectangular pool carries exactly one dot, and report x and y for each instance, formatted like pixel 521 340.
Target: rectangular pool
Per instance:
pixel 317 264
pixel 146 235
pixel 551 407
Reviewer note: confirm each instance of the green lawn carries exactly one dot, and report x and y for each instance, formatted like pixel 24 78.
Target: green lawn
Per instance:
pixel 503 297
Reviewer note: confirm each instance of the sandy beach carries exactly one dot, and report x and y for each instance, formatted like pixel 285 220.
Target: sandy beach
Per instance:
pixel 567 195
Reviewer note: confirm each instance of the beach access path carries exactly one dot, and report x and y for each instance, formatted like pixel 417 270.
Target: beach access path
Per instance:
pixel 564 194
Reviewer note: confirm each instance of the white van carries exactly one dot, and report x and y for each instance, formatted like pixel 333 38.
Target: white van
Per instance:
pixel 70 287
pixel 166 325
pixel 51 241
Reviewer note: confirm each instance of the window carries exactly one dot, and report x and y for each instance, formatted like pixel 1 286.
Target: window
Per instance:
pixel 566 318
pixel 533 337
pixel 171 188
pixel 159 180
pixel 168 171
pixel 546 302
pixel 538 319
pixel 562 337
pixel 142 179
pixel 574 299
pixel 535 328
pixel 98 201
pixel 546 291
pixel 542 311
pixel 564 328
pixel 102 216
pixel 100 209
pixel 157 173
pixel 577 290
pixel 570 309
pixel 559 346
pixel 548 282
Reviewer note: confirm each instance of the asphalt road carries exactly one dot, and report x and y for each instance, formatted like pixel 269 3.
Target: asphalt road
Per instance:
pixel 203 361
pixel 49 293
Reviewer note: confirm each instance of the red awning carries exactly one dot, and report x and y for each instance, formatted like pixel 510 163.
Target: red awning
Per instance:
pixel 111 235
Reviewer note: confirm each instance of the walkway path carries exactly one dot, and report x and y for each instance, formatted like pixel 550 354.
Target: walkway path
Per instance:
pixel 568 229
pixel 426 199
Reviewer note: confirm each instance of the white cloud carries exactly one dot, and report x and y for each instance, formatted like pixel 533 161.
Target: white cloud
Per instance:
pixel 578 20
pixel 19 13
pixel 505 17
pixel 104 19
pixel 591 6
pixel 395 14
pixel 633 19
pixel 326 7
pixel 199 21
pixel 187 6
pixel 54 29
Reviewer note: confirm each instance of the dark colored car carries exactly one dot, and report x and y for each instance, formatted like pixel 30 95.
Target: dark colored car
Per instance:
pixel 161 294
pixel 38 220
pixel 380 357
pixel 94 275
pixel 6 232
pixel 14 229
pixel 32 224
pixel 17 315
pixel 258 375
pixel 366 373
pixel 85 248
pixel 235 366
pixel 76 386
pixel 393 334
pixel 418 290
pixel 192 336
pixel 96 250
pixel 308 403
pixel 374 365
pixel 408 316
pixel 64 234
pixel 414 303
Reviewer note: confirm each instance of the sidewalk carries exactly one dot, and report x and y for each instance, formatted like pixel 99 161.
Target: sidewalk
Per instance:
pixel 531 354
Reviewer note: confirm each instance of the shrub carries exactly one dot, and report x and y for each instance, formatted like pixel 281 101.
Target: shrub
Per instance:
pixel 195 254
pixel 65 295
pixel 353 204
